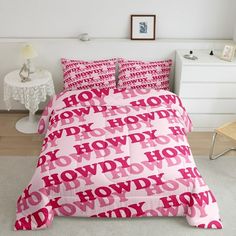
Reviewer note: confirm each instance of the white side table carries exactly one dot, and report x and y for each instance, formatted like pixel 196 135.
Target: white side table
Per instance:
pixel 30 94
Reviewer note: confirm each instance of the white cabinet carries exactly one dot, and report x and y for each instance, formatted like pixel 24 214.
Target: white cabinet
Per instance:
pixel 207 87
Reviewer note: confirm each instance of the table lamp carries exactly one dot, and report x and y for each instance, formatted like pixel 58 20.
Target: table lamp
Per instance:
pixel 29 53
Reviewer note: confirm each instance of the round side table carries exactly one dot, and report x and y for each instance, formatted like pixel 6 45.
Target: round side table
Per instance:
pixel 29 93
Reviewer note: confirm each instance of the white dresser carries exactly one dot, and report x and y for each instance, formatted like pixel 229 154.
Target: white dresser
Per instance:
pixel 207 87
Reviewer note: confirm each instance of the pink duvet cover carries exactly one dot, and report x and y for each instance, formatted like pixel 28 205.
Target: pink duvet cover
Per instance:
pixel 116 153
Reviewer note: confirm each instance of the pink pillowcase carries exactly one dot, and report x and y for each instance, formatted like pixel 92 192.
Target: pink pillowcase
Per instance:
pixel 89 75
pixel 139 74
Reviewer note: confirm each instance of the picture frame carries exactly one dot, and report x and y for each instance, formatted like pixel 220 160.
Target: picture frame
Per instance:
pixel 143 27
pixel 228 53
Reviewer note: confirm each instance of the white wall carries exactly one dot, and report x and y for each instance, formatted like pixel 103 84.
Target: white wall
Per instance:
pixel 110 18
pixel 235 32
pixel 234 7
pixel 38 19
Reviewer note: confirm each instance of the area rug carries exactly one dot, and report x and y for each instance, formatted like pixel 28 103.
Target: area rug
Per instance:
pixel 220 175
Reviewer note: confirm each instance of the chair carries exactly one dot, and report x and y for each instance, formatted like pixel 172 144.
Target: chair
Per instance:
pixel 228 130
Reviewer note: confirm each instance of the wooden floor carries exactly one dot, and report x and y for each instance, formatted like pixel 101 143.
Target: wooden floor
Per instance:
pixel 15 143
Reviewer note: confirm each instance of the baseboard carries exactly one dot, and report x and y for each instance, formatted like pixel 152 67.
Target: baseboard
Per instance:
pixel 19 112
pixel 203 129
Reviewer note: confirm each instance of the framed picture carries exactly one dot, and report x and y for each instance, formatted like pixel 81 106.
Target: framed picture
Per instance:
pixel 228 53
pixel 143 27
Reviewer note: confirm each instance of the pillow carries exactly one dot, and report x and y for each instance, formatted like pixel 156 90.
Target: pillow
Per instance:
pixel 88 74
pixel 139 74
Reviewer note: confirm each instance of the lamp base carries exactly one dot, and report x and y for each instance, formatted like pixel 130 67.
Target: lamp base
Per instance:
pixel 24 73
pixel 30 66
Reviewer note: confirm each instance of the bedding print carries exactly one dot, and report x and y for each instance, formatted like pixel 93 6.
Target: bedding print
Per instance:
pixel 140 74
pixel 116 153
pixel 88 74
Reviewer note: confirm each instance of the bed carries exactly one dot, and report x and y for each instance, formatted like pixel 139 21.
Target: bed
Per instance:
pixel 116 153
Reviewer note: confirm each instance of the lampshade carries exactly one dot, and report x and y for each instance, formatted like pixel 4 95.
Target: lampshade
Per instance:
pixel 29 52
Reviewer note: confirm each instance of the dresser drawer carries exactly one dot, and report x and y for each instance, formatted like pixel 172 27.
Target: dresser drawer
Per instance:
pixel 216 106
pixel 207 87
pixel 209 73
pixel 206 121
pixel 208 90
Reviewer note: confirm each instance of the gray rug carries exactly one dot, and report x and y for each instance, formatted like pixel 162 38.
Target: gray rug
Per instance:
pixel 220 175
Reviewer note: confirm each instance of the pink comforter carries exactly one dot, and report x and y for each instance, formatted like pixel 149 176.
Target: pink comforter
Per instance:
pixel 116 153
